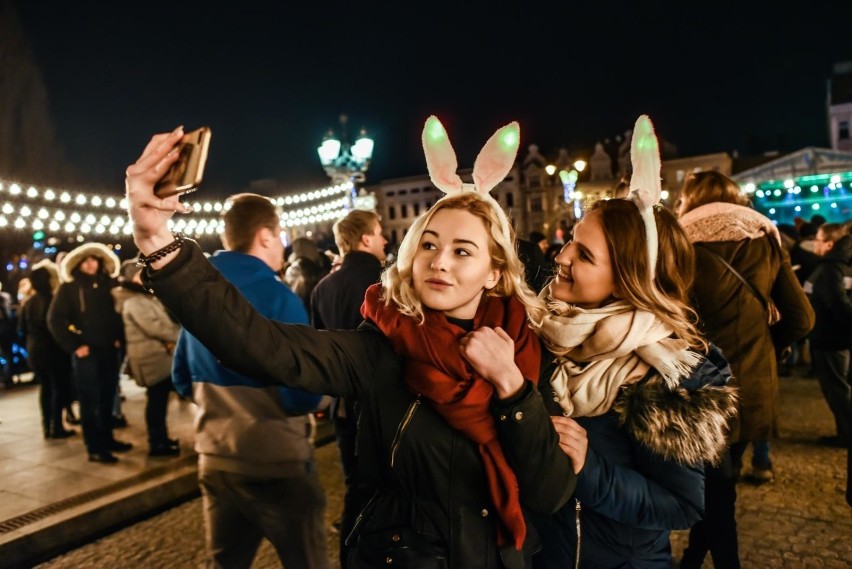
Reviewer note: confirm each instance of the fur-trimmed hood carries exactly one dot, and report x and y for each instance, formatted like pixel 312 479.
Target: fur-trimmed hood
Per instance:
pixel 109 260
pixel 51 268
pixel 690 424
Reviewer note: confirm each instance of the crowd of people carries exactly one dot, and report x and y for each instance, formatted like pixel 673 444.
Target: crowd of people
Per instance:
pixel 497 401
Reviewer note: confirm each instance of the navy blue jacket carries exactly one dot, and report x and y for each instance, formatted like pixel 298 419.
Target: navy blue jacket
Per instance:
pixel 243 425
pixel 643 474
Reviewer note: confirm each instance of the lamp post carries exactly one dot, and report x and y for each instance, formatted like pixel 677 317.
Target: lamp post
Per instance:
pixel 570 194
pixel 344 161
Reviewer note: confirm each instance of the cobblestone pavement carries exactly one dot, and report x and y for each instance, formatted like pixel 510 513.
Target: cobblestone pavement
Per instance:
pixel 799 521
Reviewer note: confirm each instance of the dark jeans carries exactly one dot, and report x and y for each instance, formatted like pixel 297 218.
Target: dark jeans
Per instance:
pixel 759 454
pixel 96 377
pixel 832 369
pixel 155 411
pixel 54 379
pixel 240 510
pixel 716 532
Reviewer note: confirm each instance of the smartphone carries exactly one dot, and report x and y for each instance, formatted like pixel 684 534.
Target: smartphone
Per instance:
pixel 186 173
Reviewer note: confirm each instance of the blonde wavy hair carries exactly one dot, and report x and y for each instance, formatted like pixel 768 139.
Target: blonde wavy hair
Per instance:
pixel 397 283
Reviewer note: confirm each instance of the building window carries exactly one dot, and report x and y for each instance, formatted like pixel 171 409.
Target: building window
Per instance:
pixel 415 191
pixel 403 211
pixel 535 203
pixel 416 209
pixel 403 192
pixel 534 182
pixel 843 130
pixel 391 212
pixel 428 204
pixel 393 234
pixel 391 193
pixel 510 199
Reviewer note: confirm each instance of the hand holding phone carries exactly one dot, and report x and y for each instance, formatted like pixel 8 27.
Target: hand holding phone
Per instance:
pixel 186 173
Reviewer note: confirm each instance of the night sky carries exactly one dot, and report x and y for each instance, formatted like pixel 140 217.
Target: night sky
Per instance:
pixel 270 81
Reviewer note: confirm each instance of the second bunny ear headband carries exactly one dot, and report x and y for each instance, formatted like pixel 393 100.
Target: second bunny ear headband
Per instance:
pixel 492 165
pixel 645 184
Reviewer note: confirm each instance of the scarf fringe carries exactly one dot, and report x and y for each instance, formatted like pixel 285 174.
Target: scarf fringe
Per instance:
pixel 677 368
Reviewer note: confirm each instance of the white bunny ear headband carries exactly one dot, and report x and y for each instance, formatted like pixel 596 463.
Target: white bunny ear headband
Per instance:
pixel 492 165
pixel 645 184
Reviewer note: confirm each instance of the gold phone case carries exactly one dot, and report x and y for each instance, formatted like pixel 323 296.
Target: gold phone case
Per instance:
pixel 186 173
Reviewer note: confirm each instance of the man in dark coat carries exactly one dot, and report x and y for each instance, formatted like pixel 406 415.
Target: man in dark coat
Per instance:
pixel 831 340
pixel 336 304
pixel 83 320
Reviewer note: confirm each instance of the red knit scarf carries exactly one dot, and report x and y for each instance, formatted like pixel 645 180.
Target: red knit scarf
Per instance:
pixel 435 368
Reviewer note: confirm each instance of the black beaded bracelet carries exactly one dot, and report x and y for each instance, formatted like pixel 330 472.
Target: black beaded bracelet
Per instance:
pixel 146 260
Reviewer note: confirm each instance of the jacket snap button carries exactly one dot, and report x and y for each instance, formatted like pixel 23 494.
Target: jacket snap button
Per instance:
pixel 556 398
pixel 389 560
pixel 395 537
pixel 519 415
pixel 484 513
pixel 502 417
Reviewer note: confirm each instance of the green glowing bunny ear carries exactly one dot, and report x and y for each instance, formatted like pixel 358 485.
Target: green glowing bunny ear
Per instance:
pixel 492 165
pixel 440 157
pixel 496 158
pixel 645 183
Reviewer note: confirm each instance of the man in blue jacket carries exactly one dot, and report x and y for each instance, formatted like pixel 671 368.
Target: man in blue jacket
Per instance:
pixel 256 456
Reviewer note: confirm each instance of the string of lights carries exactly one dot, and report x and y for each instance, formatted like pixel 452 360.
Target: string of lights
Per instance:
pixel 60 211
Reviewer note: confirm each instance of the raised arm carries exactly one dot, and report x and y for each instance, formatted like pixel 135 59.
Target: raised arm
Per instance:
pixel 215 312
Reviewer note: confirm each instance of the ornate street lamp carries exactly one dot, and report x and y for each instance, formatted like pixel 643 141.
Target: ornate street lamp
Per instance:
pixel 569 187
pixel 343 161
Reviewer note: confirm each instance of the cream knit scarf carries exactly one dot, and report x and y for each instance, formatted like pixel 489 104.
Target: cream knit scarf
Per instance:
pixel 602 349
pixel 722 221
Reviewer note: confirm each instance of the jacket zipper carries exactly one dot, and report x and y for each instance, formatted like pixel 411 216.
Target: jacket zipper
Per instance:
pixel 356 527
pixel 577 509
pixel 400 429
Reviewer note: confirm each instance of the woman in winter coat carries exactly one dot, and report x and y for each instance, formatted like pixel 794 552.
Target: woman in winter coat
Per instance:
pixel 151 336
pixel 742 276
pixel 628 377
pixel 454 440
pixel 48 360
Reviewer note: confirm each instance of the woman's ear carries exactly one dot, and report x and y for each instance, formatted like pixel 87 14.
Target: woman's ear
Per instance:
pixel 493 278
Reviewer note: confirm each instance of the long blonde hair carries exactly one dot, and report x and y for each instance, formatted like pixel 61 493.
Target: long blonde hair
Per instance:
pixel 397 282
pixel 668 297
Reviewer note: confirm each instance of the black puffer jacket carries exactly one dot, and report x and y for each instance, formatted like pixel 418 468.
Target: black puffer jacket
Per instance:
pixel 427 477
pixel 828 289
pixel 83 313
